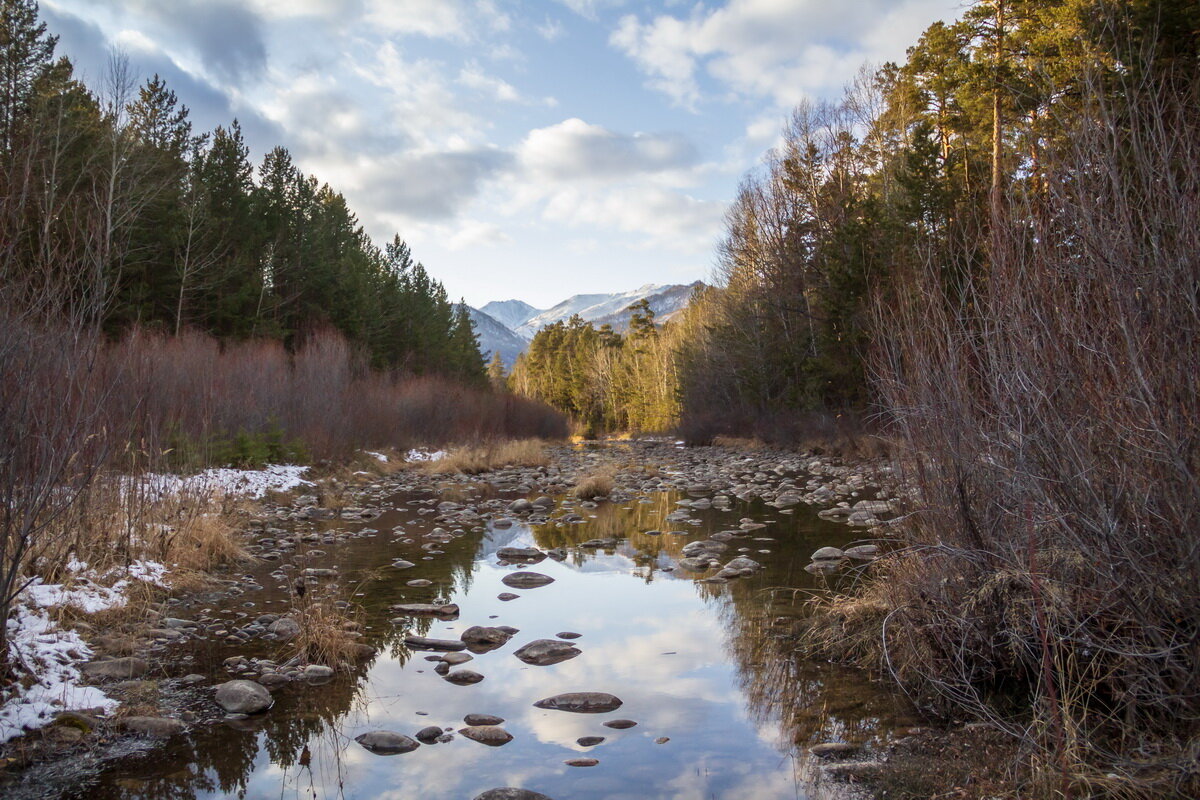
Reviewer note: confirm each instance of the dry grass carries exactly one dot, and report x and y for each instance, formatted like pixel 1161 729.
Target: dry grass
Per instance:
pixel 325 635
pixel 593 487
pixel 494 455
pixel 738 443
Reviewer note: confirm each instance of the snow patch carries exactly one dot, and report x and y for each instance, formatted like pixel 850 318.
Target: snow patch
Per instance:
pixel 252 483
pixel 377 456
pixel 424 455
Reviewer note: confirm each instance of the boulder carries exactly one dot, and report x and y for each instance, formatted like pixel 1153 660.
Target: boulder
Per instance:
pixel 423 643
pixel 243 697
pixel 526 580
pixel 620 724
pixel 491 735
pixel 544 652
pixel 581 702
pixel 529 555
pixel 827 553
pixel 386 743
pixel 463 677
pixel 482 719
pixel 285 628
pixel 161 727
pixel 480 635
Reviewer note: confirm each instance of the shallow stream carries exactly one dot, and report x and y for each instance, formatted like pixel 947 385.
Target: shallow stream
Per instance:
pixel 723 709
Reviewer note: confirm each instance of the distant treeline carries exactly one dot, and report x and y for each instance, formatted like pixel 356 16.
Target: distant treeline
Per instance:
pixel 112 205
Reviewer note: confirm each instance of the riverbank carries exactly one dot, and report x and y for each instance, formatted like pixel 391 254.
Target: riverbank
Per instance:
pixel 292 529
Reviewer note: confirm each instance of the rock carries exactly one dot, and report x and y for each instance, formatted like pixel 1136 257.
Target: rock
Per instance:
pixel 400 563
pixel 422 643
pixel 509 793
pixel 521 506
pixel 696 564
pixel 482 719
pixel 581 762
pixel 826 567
pixel 317 672
pixel 419 582
pixel 827 553
pixel 834 749
pixel 429 735
pixel 116 669
pixel 273 680
pixel 479 635
pixel 744 564
pixel 491 735
pixel 153 726
pixel 243 697
pixel 662 740
pixel 386 743
pixel 526 580
pixel 449 611
pixel 620 724
pixel 544 652
pixel 568 635
pixel 463 677
pixel 581 702
pixel 589 741
pixel 863 552
pixel 506 596
pixel 454 659
pixel 527 554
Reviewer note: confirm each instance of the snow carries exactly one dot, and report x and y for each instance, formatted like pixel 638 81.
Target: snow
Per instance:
pixel 424 455
pixel 52 654
pixel 377 456
pixel 252 483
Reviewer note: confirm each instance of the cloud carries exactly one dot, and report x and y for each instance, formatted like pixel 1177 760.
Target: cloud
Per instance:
pixel 550 29
pixel 574 149
pixel 473 77
pixel 783 50
pixel 438 19
pixel 430 186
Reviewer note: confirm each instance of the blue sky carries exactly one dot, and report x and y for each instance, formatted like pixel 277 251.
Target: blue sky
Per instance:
pixel 525 148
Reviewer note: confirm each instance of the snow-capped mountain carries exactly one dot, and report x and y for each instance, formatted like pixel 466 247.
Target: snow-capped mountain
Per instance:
pixel 507 326
pixel 510 313
pixel 496 336
pixel 609 307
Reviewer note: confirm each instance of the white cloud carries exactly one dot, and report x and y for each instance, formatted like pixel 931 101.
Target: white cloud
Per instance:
pixel 783 50
pixel 550 30
pixel 574 150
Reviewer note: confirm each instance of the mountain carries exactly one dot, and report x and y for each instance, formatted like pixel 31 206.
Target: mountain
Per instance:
pixel 666 303
pixel 496 336
pixel 611 308
pixel 510 313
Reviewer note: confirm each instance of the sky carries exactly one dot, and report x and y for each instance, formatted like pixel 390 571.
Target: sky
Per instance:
pixel 528 149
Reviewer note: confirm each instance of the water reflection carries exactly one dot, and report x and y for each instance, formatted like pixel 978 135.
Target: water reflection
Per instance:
pixel 702 664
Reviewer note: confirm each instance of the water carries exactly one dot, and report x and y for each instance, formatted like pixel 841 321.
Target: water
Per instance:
pixel 708 666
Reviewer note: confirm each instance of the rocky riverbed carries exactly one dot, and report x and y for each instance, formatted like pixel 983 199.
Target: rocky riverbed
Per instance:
pixel 642 635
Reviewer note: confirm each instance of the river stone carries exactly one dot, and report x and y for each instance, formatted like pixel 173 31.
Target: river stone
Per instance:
pixel 544 652
pixel 463 677
pixel 581 702
pixel 317 672
pixel 273 680
pixel 481 635
pixel 429 735
pixel 400 563
pixel 827 553
pixel 521 506
pixel 153 726
pixel 863 552
pixel 446 611
pixel 699 564
pixel 620 724
pixel 506 596
pixel 742 563
pixel 491 735
pixel 243 697
pixel 482 719
pixel 527 554
pixel 454 659
pixel 419 582
pixel 526 580
pixel 568 635
pixel 116 669
pixel 386 743
pixel 422 643
pixel 284 628
pixel 581 762
pixel 510 793
pixel 825 567
pixel 589 741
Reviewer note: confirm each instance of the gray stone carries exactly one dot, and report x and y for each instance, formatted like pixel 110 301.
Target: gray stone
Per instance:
pixel 863 552
pixel 834 749
pixel 526 580
pixel 620 724
pixel 483 635
pixel 441 611
pixel 386 743
pixel 243 697
pixel 482 719
pixel 429 735
pixel 827 553
pixel 317 672
pixel 454 659
pixel 544 652
pixel 506 596
pixel 463 677
pixel 422 643
pixel 589 741
pixel 581 762
pixel 527 554
pixel 510 793
pixel 491 735
pixel 581 702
